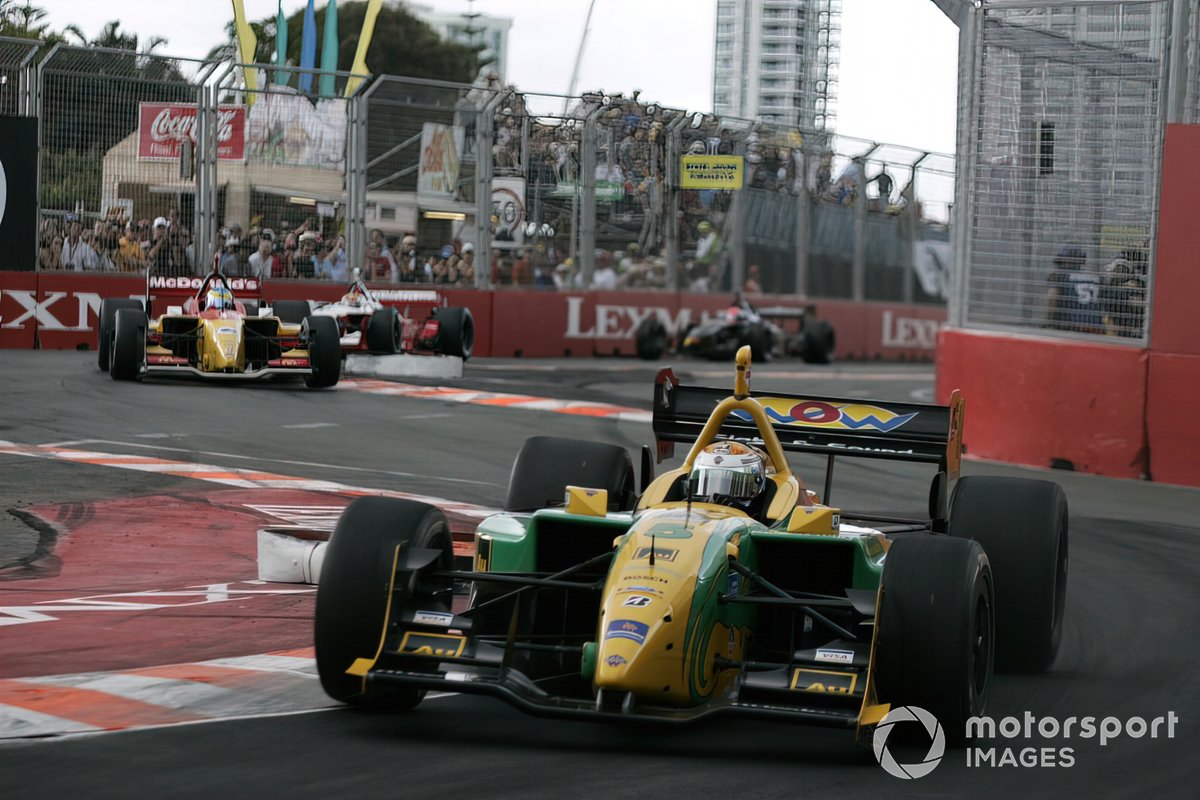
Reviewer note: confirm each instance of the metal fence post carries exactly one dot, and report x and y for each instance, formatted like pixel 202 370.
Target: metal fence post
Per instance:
pixel 969 44
pixel 587 202
pixel 485 169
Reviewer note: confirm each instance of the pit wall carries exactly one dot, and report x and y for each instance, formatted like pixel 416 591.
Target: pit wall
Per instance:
pixel 1122 411
pixel 58 311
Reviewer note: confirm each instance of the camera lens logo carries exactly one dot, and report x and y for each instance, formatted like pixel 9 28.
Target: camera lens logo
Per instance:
pixel 937 746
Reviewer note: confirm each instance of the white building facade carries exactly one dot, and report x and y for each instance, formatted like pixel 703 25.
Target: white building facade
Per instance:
pixel 776 61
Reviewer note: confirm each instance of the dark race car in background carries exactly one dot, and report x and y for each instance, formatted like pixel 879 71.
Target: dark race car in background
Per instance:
pixel 765 331
pixel 388 321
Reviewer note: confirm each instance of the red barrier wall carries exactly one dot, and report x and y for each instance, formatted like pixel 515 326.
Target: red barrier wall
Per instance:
pixel 1035 401
pixel 64 307
pixel 1177 260
pixel 18 309
pixel 1172 427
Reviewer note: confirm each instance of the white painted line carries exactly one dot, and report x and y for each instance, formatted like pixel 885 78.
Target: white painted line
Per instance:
pixel 307 425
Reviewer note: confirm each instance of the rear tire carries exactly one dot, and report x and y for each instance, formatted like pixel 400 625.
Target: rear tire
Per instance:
pixel 383 331
pixel 292 312
pixel 935 641
pixel 324 352
pixel 128 348
pixel 352 595
pixel 546 465
pixel 1022 525
pixel 456 331
pixel 818 343
pixel 651 338
pixel 108 309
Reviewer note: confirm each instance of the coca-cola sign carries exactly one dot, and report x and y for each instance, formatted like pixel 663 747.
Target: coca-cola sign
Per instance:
pixel 162 126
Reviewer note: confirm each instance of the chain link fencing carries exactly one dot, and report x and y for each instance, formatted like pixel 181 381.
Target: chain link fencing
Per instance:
pixel 17 77
pixel 1065 166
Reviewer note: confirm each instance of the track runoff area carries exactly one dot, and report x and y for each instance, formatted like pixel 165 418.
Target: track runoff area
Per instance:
pixel 129 596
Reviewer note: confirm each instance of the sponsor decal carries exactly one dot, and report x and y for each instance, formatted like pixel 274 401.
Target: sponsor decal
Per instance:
pixel 185 282
pixel 836 656
pixel 616 661
pixel 621 322
pixel 629 629
pixel 433 644
pixel 830 416
pixel 646 579
pixel 433 618
pixel 289 362
pixel 735 583
pixel 732 642
pixel 660 554
pixel 405 296
pixel 637 601
pixel 226 331
pixel 823 681
pixel 163 126
pixel 628 589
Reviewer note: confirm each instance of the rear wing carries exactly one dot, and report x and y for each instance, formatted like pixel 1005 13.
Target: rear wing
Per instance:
pixel 830 426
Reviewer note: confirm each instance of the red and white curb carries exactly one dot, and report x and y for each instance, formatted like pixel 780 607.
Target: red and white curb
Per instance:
pixel 498 400
pixel 222 688
pixel 285 555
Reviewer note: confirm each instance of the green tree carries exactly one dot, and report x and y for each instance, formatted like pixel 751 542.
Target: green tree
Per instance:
pixel 401 45
pixel 22 21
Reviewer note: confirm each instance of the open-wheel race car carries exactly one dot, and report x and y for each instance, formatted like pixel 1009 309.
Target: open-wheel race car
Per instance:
pixel 372 321
pixel 212 334
pixel 724 587
pixel 768 332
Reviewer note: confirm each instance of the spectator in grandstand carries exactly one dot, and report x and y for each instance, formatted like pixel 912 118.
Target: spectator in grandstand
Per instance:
pixel 302 255
pixel 522 270
pixel 262 261
pixel 605 277
pixel 507 147
pixel 230 244
pixel 708 249
pixel 159 254
pixel 131 257
pixel 323 261
pixel 341 262
pixel 1123 295
pixel 77 254
pixel 1073 301
pixel 50 254
pixel 468 264
pixel 564 275
pixel 822 182
pixel 753 284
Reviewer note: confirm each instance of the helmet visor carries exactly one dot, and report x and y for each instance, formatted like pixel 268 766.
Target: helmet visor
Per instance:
pixel 740 485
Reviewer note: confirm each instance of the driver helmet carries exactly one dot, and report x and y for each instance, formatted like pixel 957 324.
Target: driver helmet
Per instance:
pixel 730 471
pixel 219 298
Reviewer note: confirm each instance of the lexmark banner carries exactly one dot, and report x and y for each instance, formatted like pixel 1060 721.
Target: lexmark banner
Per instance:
pixel 18 192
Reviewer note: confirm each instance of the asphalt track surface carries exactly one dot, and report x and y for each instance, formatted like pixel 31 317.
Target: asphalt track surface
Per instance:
pixel 1130 644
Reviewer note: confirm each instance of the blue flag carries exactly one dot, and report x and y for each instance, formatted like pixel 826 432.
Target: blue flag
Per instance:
pixel 308 48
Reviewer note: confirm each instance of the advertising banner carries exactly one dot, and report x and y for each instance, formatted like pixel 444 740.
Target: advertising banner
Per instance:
pixel 437 176
pixel 712 172
pixel 162 126
pixel 18 191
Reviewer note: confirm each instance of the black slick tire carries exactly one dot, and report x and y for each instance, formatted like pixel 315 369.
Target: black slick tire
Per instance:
pixel 1022 525
pixel 352 596
pixel 108 309
pixel 935 640
pixel 324 352
pixel 127 352
pixel 383 331
pixel 651 338
pixel 292 312
pixel 818 343
pixel 546 465
pixel 456 332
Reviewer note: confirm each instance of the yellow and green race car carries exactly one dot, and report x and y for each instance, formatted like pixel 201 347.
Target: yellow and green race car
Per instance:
pixel 725 586
pixel 211 334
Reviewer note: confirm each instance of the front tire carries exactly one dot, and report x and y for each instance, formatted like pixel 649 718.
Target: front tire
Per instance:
pixel 292 312
pixel 324 352
pixel 936 633
pixel 818 343
pixel 353 598
pixel 1022 525
pixel 128 347
pixel 547 464
pixel 108 310
pixel 651 338
pixel 383 331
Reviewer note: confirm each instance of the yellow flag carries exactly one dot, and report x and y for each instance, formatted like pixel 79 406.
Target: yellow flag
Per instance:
pixel 247 41
pixel 364 41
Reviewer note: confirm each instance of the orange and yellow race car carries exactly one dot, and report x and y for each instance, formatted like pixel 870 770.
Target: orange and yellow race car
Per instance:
pixel 725 586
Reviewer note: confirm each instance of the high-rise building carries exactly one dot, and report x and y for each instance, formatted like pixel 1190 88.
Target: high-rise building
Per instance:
pixel 776 61
pixel 470 28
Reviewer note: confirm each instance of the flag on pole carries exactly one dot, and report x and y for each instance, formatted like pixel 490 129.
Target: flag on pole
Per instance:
pixel 364 42
pixel 329 49
pixel 281 40
pixel 247 41
pixel 308 48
